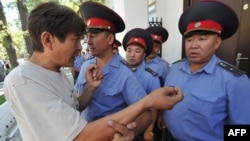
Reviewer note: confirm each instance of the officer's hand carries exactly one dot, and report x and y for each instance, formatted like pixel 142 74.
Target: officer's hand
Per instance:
pixel 160 122
pixel 124 133
pixel 148 136
pixel 93 75
pixel 118 137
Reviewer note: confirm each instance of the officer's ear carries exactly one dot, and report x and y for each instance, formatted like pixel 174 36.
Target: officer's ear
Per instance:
pixel 111 38
pixel 218 41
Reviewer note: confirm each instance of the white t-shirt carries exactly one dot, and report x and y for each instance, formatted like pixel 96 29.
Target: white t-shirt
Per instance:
pixel 43 103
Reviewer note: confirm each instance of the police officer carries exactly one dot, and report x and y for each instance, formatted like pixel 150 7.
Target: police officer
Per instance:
pixel 119 88
pixel 116 45
pixel 79 59
pixel 138 44
pixel 159 35
pixel 216 93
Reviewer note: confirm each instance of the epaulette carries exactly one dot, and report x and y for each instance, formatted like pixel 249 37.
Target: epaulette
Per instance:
pixel 151 71
pixel 124 62
pixel 231 68
pixel 179 61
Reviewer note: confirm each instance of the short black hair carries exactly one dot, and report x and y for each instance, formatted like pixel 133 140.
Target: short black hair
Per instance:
pixel 57 19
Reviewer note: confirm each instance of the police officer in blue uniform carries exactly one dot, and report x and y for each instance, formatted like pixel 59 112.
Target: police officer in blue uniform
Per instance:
pixel 215 92
pixel 159 35
pixel 79 59
pixel 119 88
pixel 116 46
pixel 138 44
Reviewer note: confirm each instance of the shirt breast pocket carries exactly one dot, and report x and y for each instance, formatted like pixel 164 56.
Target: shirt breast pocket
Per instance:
pixel 206 104
pixel 108 95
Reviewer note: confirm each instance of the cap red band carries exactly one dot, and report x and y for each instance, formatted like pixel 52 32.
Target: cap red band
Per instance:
pixel 115 45
pixel 156 37
pixel 100 23
pixel 207 25
pixel 137 40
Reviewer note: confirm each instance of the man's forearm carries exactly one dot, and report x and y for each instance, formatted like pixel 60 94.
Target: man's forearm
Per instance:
pixel 162 98
pixel 99 129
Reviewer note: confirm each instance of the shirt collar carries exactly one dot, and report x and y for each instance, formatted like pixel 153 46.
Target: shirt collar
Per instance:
pixel 114 63
pixel 140 68
pixel 208 68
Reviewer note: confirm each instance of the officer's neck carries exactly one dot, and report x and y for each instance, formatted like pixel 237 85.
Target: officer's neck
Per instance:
pixel 103 60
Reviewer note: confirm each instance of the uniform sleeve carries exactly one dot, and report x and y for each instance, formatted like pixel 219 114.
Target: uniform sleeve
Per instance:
pixel 238 91
pixel 80 83
pixel 153 84
pixel 165 69
pixel 133 90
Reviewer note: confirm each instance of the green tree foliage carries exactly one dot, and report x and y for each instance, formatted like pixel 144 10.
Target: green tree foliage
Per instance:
pixel 15 26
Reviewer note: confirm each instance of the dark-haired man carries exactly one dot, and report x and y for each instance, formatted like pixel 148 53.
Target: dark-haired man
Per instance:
pixel 42 98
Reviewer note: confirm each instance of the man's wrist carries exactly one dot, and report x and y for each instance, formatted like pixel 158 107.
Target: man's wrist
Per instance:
pixel 147 102
pixel 150 133
pixel 90 87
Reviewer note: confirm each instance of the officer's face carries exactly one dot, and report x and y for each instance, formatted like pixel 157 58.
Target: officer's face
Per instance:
pixel 115 50
pixel 200 48
pixel 99 43
pixel 156 50
pixel 135 55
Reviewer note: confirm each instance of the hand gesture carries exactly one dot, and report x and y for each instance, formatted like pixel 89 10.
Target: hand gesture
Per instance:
pixel 93 76
pixel 165 98
pixel 124 133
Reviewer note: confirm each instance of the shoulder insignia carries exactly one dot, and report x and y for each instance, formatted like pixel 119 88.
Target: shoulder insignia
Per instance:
pixel 231 68
pixel 179 61
pixel 124 62
pixel 151 71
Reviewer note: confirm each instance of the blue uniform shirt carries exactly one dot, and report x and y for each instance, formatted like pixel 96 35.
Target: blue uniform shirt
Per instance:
pixel 147 79
pixel 160 66
pixel 213 96
pixel 118 89
pixel 78 61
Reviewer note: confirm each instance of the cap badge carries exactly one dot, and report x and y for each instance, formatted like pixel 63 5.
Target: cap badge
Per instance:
pixel 198 24
pixel 88 23
pixel 136 39
pixel 155 37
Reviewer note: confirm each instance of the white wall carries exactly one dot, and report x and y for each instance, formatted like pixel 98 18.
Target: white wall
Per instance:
pixel 135 14
pixel 170 11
